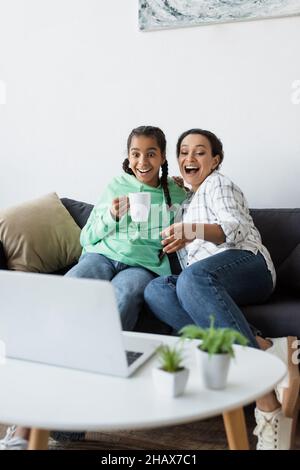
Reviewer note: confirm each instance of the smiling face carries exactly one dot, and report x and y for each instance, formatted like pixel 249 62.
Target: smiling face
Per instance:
pixel 195 159
pixel 145 159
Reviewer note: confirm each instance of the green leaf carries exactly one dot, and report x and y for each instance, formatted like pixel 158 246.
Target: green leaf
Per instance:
pixel 171 358
pixel 215 340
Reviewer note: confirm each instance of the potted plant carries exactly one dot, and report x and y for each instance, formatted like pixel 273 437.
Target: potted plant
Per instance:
pixel 171 376
pixel 214 352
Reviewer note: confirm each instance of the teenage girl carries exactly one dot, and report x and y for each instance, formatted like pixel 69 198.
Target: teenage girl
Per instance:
pixel 117 249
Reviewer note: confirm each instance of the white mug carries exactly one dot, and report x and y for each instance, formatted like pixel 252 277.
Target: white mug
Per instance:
pixel 139 206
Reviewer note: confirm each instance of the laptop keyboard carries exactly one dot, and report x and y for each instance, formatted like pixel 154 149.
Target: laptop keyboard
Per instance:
pixel 132 356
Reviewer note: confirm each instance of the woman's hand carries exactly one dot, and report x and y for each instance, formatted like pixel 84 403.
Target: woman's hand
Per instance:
pixel 177 236
pixel 119 207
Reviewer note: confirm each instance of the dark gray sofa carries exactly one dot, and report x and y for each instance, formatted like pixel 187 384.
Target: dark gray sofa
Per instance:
pixel 280 231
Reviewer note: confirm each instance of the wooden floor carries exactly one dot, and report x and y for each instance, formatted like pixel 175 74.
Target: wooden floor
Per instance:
pixel 205 435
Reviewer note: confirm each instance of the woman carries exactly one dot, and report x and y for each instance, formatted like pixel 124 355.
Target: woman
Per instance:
pixel 224 265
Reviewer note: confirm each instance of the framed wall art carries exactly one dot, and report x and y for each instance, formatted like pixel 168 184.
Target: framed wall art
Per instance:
pixel 159 14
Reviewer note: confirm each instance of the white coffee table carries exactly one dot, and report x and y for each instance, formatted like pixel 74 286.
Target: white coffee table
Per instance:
pixel 46 398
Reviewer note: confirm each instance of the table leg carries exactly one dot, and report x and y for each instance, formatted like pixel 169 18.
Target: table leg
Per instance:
pixel 236 431
pixel 38 439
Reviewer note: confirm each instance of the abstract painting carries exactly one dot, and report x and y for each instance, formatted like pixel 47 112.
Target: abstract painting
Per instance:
pixel 159 14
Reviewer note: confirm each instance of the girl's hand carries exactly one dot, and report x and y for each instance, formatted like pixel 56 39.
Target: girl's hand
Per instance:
pixel 177 236
pixel 119 207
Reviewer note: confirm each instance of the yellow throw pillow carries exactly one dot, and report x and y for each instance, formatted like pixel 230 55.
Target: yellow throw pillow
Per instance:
pixel 39 236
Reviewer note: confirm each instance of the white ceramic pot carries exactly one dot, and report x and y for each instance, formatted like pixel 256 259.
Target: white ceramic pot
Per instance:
pixel 214 369
pixel 170 384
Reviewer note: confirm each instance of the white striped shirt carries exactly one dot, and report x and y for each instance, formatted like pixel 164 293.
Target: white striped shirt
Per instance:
pixel 219 201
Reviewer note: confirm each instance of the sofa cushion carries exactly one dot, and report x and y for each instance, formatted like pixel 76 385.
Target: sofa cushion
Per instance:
pixel 79 210
pixel 39 236
pixel 149 323
pixel 280 231
pixel 289 271
pixel 280 316
pixel 3 264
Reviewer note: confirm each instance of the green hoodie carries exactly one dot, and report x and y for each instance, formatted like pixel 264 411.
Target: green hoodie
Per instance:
pixel 135 244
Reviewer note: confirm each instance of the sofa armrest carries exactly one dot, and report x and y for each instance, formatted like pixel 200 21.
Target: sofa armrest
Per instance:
pixel 3 264
pixel 80 211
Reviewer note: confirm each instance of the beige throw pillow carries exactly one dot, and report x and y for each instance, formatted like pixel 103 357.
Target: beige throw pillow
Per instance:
pixel 39 236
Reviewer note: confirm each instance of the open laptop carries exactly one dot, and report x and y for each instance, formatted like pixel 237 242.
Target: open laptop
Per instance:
pixel 67 322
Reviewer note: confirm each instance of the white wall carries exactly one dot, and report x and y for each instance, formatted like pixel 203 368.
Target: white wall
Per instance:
pixel 79 75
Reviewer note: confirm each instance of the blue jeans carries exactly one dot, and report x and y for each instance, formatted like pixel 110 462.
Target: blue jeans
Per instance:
pixel 213 286
pixel 129 283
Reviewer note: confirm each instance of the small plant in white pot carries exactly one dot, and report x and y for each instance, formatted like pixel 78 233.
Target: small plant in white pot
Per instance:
pixel 171 376
pixel 215 351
